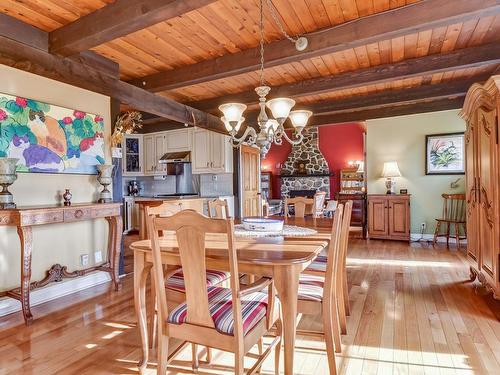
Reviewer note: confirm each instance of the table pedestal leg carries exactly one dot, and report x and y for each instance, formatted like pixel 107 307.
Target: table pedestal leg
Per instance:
pixel 286 280
pixel 26 238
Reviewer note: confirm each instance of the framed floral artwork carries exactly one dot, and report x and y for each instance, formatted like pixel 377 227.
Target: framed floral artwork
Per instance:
pixel 46 138
pixel 444 154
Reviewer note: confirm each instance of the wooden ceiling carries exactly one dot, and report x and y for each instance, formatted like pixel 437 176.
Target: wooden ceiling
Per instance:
pixel 220 31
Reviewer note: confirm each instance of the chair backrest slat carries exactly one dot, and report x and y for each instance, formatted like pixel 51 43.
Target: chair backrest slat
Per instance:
pixel 299 205
pixel 218 208
pixel 344 239
pixel 333 253
pixel 190 229
pixel 454 207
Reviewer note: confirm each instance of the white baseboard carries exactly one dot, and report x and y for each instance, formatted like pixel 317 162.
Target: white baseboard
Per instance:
pixel 55 290
pixel 430 237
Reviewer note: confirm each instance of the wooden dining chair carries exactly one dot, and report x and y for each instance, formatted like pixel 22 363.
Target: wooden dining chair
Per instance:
pixel 218 209
pixel 230 319
pixel 453 215
pixel 319 293
pixel 319 267
pixel 300 205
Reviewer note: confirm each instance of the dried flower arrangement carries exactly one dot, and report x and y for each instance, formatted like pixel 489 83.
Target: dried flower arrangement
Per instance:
pixel 126 123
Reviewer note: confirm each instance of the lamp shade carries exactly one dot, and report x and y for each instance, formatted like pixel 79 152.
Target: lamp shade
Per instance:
pixel 280 107
pixel 229 126
pixel 232 111
pixel 391 169
pixel 299 118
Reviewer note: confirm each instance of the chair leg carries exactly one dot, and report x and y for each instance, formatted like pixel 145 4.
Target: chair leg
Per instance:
pixel 195 363
pixel 260 345
pixel 340 305
pixel 448 235
pixel 239 361
pixel 457 235
pixel 436 233
pixel 209 354
pixel 331 325
pixel 346 295
pixel 277 349
pixel 332 337
pixel 162 349
pixel 153 313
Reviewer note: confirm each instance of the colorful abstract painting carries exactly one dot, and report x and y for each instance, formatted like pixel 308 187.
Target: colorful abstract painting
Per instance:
pixel 445 154
pixel 50 139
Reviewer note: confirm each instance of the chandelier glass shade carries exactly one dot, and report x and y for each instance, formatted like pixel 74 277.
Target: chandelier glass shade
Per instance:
pixel 271 129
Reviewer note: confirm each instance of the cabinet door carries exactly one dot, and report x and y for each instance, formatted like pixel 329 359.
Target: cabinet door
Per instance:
pixel 132 155
pixel 217 152
pixel 471 193
pixel 488 200
pixel 399 218
pixel 160 150
pixel 149 154
pixel 201 151
pixel 377 217
pixel 177 140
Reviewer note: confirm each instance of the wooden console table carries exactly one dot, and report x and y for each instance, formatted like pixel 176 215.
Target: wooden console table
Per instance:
pixel 25 217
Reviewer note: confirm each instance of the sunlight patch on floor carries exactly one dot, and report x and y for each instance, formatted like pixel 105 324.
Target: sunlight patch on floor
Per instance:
pixel 398 263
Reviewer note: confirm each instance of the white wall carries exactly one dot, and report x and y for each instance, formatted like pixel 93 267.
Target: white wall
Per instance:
pixel 402 139
pixel 52 243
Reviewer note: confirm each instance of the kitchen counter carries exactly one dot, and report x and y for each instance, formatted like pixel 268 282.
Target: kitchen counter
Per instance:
pixel 168 198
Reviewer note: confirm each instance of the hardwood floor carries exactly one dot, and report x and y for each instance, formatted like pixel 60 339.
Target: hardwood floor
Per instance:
pixel 414 311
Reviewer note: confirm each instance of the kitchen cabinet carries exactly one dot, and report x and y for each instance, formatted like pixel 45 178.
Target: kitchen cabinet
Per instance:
pixel 178 140
pixel 149 154
pixel 131 215
pixel 158 144
pixel 481 112
pixel 389 216
pixel 132 153
pixel 211 152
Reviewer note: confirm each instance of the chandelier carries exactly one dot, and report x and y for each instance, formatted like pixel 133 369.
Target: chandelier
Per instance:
pixel 271 129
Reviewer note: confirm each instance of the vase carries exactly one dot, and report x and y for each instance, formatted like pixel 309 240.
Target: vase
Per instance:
pixel 7 177
pixel 67 197
pixel 105 179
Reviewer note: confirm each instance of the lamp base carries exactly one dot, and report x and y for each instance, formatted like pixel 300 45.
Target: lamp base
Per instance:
pixel 390 184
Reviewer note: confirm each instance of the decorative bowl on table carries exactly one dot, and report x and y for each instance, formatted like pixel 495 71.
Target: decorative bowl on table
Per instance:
pixel 262 224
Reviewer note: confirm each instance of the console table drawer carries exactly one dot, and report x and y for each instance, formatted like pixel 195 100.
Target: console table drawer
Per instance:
pixel 43 217
pixel 106 212
pixel 78 214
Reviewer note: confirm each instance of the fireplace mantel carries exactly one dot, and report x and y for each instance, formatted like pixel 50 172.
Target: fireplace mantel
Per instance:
pixel 306 175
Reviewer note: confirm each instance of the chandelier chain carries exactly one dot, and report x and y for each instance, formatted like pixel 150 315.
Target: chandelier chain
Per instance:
pixel 277 21
pixel 262 43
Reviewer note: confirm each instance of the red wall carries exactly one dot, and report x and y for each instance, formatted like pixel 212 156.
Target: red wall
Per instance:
pixel 338 143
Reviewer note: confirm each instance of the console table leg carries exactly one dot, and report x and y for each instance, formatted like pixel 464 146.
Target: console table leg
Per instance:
pixel 26 238
pixel 114 248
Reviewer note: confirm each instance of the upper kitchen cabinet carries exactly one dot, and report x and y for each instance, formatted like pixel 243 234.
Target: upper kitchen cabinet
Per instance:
pixel 132 155
pixel 211 152
pixel 158 144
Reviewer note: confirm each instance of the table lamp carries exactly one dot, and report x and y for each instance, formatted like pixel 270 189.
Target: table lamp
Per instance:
pixel 390 171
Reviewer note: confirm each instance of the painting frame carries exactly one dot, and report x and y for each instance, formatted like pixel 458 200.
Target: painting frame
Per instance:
pixel 433 142
pixel 49 138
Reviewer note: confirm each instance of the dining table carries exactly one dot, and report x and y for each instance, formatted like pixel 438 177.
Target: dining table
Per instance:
pixel 282 258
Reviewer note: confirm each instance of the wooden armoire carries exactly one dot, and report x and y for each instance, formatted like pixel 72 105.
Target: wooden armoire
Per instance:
pixel 481 112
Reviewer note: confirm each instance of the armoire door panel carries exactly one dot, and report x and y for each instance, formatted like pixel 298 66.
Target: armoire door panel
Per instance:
pixel 471 191
pixel 487 145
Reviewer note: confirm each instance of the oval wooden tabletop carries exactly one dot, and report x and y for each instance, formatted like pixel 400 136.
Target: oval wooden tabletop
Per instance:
pixel 262 250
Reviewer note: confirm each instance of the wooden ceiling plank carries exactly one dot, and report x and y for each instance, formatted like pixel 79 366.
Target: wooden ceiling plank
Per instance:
pixel 115 20
pixel 426 14
pixel 401 110
pixel 21 56
pixel 460 59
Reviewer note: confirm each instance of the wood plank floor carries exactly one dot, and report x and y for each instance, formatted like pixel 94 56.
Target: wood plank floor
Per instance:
pixel 414 311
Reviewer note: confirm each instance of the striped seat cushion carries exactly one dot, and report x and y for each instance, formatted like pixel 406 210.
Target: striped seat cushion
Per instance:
pixel 253 309
pixel 176 281
pixel 311 287
pixel 319 264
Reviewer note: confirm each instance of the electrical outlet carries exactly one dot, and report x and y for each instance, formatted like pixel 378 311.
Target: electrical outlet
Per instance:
pixel 423 226
pixel 214 177
pixel 84 259
pixel 98 256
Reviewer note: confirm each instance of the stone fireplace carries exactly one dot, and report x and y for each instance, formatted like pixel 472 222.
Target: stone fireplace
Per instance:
pixel 306 168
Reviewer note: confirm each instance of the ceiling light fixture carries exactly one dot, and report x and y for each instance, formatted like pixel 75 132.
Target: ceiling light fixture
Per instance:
pixel 271 129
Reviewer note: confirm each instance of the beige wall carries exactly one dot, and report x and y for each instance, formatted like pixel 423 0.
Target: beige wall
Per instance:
pixel 403 139
pixel 53 243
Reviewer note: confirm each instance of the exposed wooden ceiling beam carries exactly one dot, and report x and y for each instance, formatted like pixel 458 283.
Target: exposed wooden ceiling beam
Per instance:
pixel 426 65
pixel 22 32
pixel 396 110
pixel 409 19
pixel 33 60
pixel 116 20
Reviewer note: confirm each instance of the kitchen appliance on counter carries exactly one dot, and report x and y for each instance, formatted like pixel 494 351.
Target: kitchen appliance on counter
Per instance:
pixel 133 188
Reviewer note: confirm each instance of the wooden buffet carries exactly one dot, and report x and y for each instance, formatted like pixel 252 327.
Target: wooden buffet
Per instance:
pixel 389 216
pixel 24 218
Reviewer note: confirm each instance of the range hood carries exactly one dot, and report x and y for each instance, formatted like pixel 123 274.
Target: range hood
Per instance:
pixel 175 157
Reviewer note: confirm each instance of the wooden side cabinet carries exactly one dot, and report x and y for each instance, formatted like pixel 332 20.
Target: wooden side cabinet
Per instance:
pixel 389 216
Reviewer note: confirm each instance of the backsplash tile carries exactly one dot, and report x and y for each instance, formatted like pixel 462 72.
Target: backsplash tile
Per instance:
pixel 222 184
